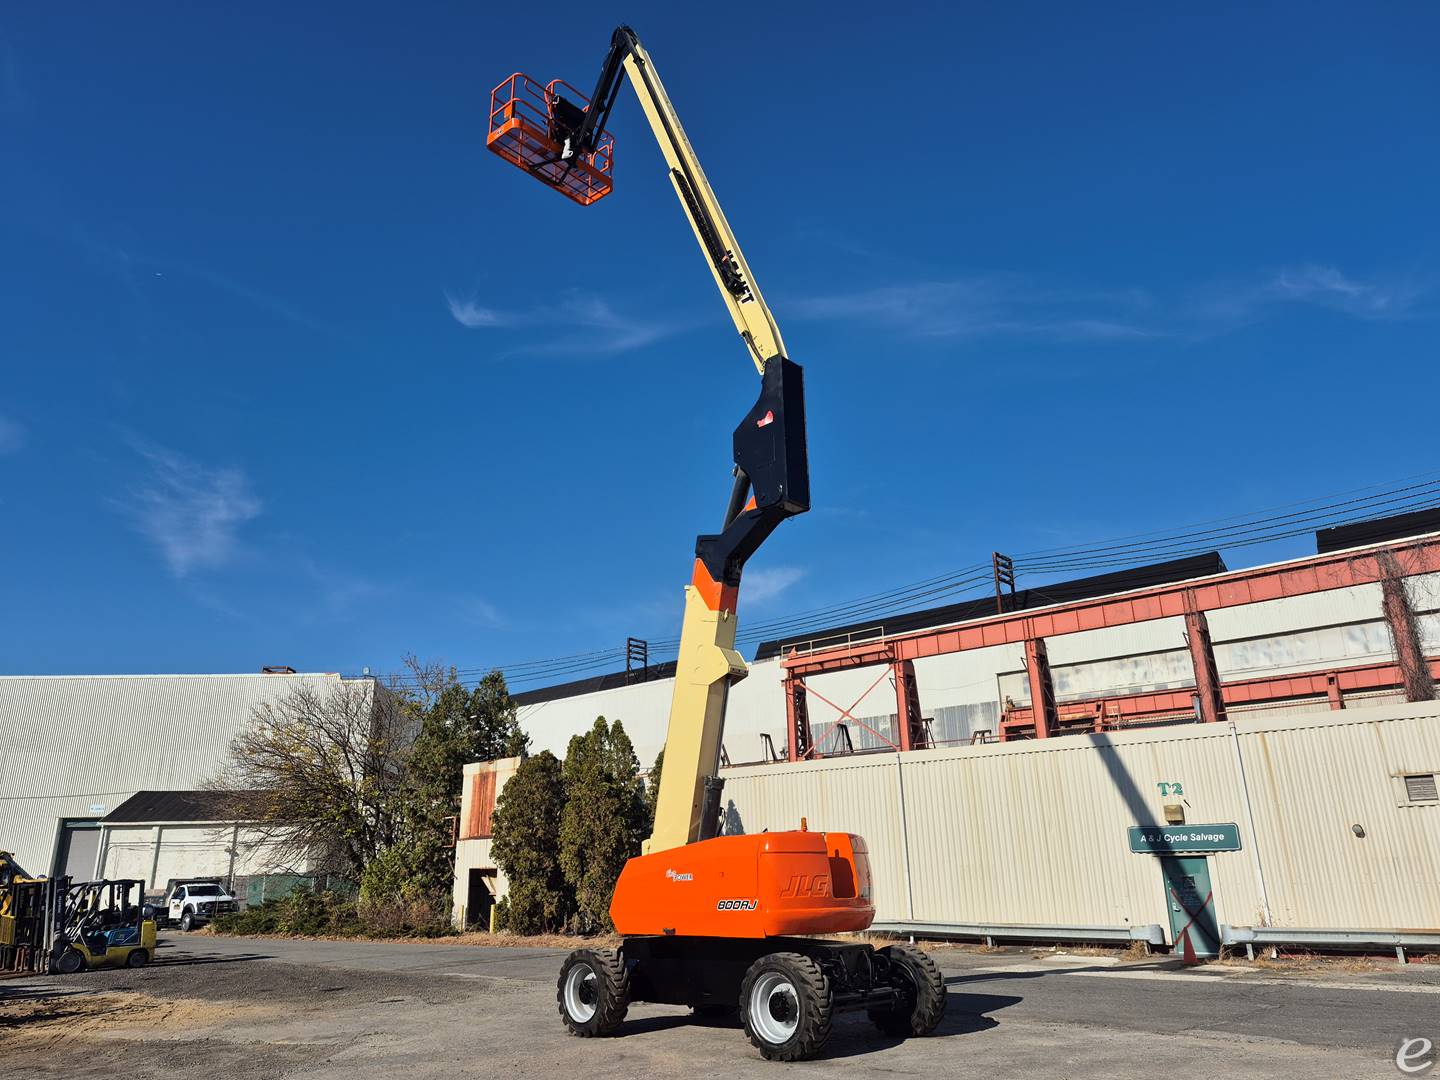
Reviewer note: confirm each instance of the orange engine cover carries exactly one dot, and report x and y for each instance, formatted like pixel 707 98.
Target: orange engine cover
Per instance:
pixel 766 885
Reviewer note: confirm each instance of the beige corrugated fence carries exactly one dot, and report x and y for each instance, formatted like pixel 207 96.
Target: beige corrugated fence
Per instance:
pixel 1035 833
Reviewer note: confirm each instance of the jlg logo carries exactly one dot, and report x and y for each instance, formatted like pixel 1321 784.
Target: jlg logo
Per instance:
pixel 806 885
pixel 737 905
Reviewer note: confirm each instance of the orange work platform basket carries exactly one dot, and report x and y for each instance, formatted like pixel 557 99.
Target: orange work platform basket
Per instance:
pixel 529 124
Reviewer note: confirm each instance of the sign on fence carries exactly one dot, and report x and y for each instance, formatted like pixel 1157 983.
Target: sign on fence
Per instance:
pixel 1170 839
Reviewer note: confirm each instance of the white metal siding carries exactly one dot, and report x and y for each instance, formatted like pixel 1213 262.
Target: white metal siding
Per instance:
pixel 78 746
pixel 157 853
pixel 1355 603
pixel 643 709
pixel 1108 642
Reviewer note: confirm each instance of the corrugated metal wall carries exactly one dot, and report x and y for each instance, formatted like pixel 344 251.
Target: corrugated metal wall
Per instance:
pixel 78 746
pixel 1035 832
pixel 157 853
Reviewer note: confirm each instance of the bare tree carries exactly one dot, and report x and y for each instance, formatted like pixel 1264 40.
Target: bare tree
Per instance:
pixel 1405 637
pixel 321 773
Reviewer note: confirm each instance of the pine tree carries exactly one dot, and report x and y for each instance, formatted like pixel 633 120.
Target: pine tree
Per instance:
pixel 605 819
pixel 526 846
pixel 652 789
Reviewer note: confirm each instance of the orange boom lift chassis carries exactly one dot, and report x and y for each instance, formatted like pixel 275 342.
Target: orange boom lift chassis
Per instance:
pixel 717 922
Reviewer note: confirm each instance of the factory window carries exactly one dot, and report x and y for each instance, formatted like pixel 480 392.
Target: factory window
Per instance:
pixel 1421 788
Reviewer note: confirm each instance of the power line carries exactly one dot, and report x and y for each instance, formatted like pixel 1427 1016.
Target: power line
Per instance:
pixel 1422 491
pixel 1236 531
pixel 1263 510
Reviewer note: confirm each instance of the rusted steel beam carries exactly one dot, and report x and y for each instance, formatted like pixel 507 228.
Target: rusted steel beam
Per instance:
pixel 1042 688
pixel 909 724
pixel 1202 658
pixel 1318 574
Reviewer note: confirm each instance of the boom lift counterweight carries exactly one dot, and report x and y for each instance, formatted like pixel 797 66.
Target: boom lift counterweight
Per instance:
pixel 718 921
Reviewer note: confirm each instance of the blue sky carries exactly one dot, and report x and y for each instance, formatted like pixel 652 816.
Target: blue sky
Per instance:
pixel 296 372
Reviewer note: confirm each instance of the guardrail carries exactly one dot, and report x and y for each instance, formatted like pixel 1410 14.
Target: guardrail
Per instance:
pixel 1399 940
pixel 1149 933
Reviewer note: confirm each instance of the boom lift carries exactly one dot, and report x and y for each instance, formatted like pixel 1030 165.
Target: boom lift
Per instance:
pixel 717 922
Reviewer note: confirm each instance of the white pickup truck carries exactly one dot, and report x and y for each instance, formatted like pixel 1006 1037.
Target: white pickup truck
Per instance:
pixel 195 903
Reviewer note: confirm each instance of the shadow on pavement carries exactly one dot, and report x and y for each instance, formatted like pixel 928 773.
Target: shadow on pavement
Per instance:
pixel 967 1013
pixel 853 1035
pixel 1081 969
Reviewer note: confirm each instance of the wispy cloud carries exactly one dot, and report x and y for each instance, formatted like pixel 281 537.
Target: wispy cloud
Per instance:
pixel 261 299
pixel 1320 286
pixel 191 512
pixel 575 322
pixel 764 585
pixel 1008 305
pixel 140 272
pixel 470 314
pixel 481 612
pixel 12 435
pixel 986 306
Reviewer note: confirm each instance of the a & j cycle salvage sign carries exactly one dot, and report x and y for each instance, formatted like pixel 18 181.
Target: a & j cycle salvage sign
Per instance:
pixel 1172 839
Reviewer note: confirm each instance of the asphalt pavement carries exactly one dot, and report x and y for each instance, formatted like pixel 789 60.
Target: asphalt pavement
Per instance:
pixel 265 1008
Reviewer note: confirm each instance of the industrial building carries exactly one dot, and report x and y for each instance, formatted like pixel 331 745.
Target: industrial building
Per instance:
pixel 79 749
pixel 163 836
pixel 1170 642
pixel 1010 759
pixel 479 884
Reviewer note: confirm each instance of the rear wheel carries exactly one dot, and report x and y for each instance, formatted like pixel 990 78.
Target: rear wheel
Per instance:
pixel 69 962
pixel 137 958
pixel 922 994
pixel 593 992
pixel 785 1004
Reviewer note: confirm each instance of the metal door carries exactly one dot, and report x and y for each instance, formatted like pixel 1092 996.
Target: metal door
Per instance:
pixel 1191 903
pixel 79 850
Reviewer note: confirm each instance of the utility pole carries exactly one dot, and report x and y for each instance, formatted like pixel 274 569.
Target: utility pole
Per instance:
pixel 1004 568
pixel 637 660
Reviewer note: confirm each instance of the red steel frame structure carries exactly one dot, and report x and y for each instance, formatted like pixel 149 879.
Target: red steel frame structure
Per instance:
pixel 1207 701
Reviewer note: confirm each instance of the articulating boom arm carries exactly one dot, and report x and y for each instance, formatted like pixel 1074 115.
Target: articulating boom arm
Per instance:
pixel 737 285
pixel 772 479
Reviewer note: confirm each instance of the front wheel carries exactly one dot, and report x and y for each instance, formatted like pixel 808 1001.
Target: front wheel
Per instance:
pixel 785 1004
pixel 922 994
pixel 187 922
pixel 593 992
pixel 138 958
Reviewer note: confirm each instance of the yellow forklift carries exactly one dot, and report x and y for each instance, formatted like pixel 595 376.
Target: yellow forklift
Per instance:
pixel 104 924
pixel 24 905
